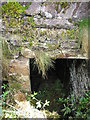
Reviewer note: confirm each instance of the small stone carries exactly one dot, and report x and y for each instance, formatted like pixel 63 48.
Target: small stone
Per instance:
pixel 49 11
pixel 54 23
pixel 69 12
pixel 34 9
pixel 82 11
pixel 48 15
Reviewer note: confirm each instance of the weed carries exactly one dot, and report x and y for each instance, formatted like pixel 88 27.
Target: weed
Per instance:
pixel 12 9
pixel 5 50
pixel 5 93
pixel 49 90
pixel 63 4
pixel 83 24
pixel 31 21
pixel 76 108
pixel 12 13
pixel 43 62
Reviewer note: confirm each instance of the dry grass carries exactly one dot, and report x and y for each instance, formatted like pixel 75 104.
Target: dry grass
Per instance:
pixel 43 62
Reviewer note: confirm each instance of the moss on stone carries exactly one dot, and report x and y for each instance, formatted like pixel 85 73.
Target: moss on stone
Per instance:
pixel 12 14
pixel 12 9
pixel 63 4
pixel 72 34
pixel 52 47
pixel 31 21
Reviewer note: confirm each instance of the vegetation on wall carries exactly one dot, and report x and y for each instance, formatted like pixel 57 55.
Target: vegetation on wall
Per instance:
pixel 5 50
pixel 63 4
pixel 12 9
pixel 12 13
pixel 43 62
pixel 6 55
pixel 83 24
pixel 83 36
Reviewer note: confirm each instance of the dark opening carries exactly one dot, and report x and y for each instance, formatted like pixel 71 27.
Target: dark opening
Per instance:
pixel 60 71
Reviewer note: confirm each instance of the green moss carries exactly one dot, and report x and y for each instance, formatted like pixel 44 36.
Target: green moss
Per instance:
pixel 72 34
pixel 63 4
pixel 30 44
pixel 52 47
pixel 12 9
pixel 42 33
pixel 11 13
pixel 24 38
pixel 31 21
pixel 83 24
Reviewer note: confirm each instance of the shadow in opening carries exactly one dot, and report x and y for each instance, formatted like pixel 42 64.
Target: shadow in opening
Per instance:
pixel 60 72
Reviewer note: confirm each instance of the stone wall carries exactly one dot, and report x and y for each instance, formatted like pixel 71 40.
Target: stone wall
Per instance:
pixel 47 27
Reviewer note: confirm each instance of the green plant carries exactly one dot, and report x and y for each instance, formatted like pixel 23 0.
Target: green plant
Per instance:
pixel 7 114
pixel 6 55
pixel 83 106
pixel 39 104
pixel 83 24
pixel 43 62
pixel 76 108
pixel 63 4
pixel 12 13
pixel 5 50
pixel 52 115
pixel 12 9
pixel 51 91
pixel 66 110
pixel 72 34
pixel 5 68
pixel 31 21
pixel 5 93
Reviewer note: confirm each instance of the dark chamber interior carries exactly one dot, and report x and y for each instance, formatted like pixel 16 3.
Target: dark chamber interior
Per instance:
pixel 60 71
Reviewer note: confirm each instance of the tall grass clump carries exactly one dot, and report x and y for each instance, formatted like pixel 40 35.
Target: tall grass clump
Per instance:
pixel 6 55
pixel 83 25
pixel 43 62
pixel 83 39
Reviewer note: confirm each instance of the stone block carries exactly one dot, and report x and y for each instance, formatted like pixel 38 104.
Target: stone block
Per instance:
pixel 20 68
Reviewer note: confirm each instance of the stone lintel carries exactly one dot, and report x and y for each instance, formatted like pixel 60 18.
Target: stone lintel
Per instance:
pixel 56 54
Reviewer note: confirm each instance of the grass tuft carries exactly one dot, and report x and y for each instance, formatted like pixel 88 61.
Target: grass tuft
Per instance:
pixel 43 62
